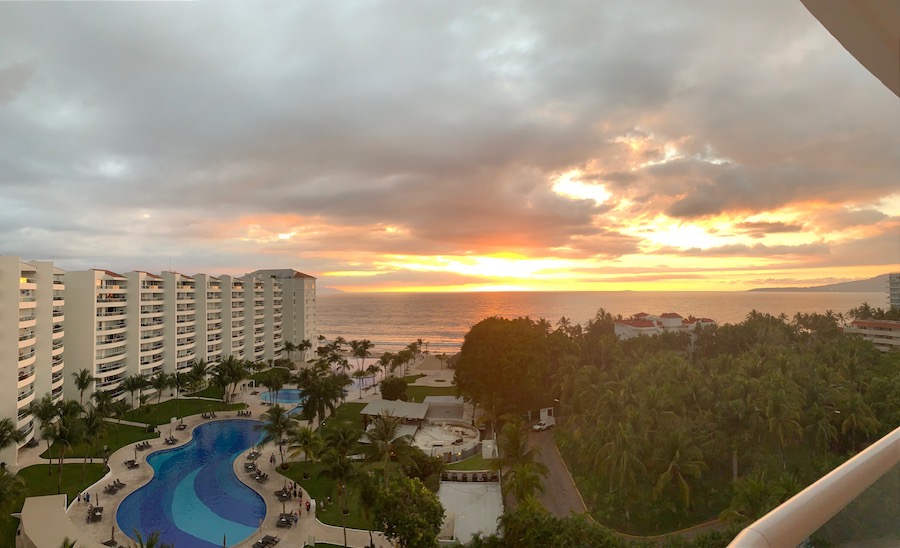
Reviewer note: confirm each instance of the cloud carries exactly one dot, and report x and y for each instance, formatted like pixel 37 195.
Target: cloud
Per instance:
pixel 226 136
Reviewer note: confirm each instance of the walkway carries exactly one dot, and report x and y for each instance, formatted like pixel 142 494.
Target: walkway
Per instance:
pixel 560 497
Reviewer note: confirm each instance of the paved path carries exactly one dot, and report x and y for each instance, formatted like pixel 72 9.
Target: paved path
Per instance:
pixel 560 497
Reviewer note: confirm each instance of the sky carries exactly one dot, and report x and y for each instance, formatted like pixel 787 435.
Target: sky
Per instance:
pixel 448 146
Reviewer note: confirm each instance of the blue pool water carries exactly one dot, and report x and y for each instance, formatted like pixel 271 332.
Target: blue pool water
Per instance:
pixel 285 395
pixel 194 498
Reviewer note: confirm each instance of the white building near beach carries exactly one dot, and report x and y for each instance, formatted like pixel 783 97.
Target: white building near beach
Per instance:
pixel 643 323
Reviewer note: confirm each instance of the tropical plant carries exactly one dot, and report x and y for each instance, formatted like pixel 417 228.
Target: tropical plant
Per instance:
pixel 337 466
pixel 83 381
pixel 159 382
pixel 94 427
pixel 523 480
pixel 409 514
pixel 304 440
pixel 152 541
pixel 64 433
pixel 385 442
pixel 9 434
pixel 277 423
pixel 46 411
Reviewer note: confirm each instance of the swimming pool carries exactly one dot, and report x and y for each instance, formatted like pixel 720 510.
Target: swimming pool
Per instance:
pixel 285 395
pixel 194 498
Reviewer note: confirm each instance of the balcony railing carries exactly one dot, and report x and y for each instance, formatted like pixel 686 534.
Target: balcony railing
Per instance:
pixel 799 519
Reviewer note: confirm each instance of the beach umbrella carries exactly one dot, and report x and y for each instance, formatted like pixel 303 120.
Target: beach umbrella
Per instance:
pixel 113 532
pixel 224 543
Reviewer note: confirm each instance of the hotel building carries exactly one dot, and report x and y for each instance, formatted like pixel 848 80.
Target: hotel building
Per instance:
pixel 894 289
pixel 143 324
pixel 31 341
pixel 299 305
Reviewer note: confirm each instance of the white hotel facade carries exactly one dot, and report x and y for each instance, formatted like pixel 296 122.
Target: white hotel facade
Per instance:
pixel 137 323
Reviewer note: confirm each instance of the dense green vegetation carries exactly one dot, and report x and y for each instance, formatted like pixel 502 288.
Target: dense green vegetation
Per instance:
pixel 419 393
pixel 665 432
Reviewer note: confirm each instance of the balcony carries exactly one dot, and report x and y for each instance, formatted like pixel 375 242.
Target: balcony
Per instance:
pixel 854 504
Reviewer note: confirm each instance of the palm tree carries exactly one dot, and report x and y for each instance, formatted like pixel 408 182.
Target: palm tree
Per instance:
pixel 46 411
pixel 231 371
pixel 372 370
pixel 273 383
pixel 65 433
pixel 103 402
pixel 200 370
pixel 359 375
pixel 178 381
pixel 151 542
pixel 9 434
pixel 118 409
pixel 361 351
pixel 94 427
pixel 68 543
pixel 682 460
pixel 132 384
pixel 523 480
pixel 384 362
pixel 384 441
pixel 304 346
pixel 11 490
pixel 323 392
pixel 289 347
pixel 159 382
pixel 83 381
pixel 276 424
pixel 337 466
pixel 304 440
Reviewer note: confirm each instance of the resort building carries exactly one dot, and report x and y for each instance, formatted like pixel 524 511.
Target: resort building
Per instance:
pixel 143 324
pixel 884 334
pixel 96 305
pixel 298 305
pixel 31 341
pixel 648 324
pixel 894 289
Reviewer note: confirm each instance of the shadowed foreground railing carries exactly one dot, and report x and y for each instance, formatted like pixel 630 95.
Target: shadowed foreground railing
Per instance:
pixel 802 516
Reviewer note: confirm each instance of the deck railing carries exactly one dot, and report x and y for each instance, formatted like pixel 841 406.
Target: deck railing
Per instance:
pixel 806 512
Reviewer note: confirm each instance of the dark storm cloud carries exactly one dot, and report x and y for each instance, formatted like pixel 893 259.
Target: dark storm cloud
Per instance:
pixel 760 229
pixel 143 130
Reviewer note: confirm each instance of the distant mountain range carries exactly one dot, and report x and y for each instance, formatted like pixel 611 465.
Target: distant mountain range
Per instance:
pixel 328 291
pixel 878 284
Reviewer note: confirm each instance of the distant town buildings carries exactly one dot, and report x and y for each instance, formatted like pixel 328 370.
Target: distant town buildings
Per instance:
pixel 643 323
pixel 135 323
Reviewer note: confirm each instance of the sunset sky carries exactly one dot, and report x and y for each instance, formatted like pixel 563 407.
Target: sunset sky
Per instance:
pixel 444 146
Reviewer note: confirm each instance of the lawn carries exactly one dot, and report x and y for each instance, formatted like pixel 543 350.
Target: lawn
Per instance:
pixel 320 488
pixel 347 413
pixel 209 392
pixel 476 462
pixel 412 378
pixel 418 393
pixel 38 482
pixel 116 436
pixel 162 413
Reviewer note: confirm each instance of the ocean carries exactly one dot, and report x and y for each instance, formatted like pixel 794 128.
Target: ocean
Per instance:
pixel 393 320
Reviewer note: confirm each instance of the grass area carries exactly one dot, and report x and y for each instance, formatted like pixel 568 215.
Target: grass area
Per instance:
pixel 262 374
pixel 162 413
pixel 208 392
pixel 418 393
pixel 476 462
pixel 320 488
pixel 348 412
pixel 38 482
pixel 116 436
pixel 412 378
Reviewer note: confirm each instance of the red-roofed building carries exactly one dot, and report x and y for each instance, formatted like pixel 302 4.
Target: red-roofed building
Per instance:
pixel 884 334
pixel 643 323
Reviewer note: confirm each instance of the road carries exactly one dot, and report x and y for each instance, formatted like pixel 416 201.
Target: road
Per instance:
pixel 560 497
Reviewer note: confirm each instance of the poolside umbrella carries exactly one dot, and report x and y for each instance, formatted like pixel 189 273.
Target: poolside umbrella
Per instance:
pixel 113 532
pixel 224 544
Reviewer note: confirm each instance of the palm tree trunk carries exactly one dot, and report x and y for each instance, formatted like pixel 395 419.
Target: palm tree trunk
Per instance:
pixel 49 460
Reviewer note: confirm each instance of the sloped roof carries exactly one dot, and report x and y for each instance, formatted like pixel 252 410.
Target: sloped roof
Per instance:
pixel 670 315
pixel 405 409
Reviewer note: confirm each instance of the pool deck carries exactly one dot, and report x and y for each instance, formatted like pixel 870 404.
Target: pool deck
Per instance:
pixel 308 529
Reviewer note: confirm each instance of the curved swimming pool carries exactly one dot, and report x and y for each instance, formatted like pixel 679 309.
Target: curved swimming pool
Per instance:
pixel 194 498
pixel 285 395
